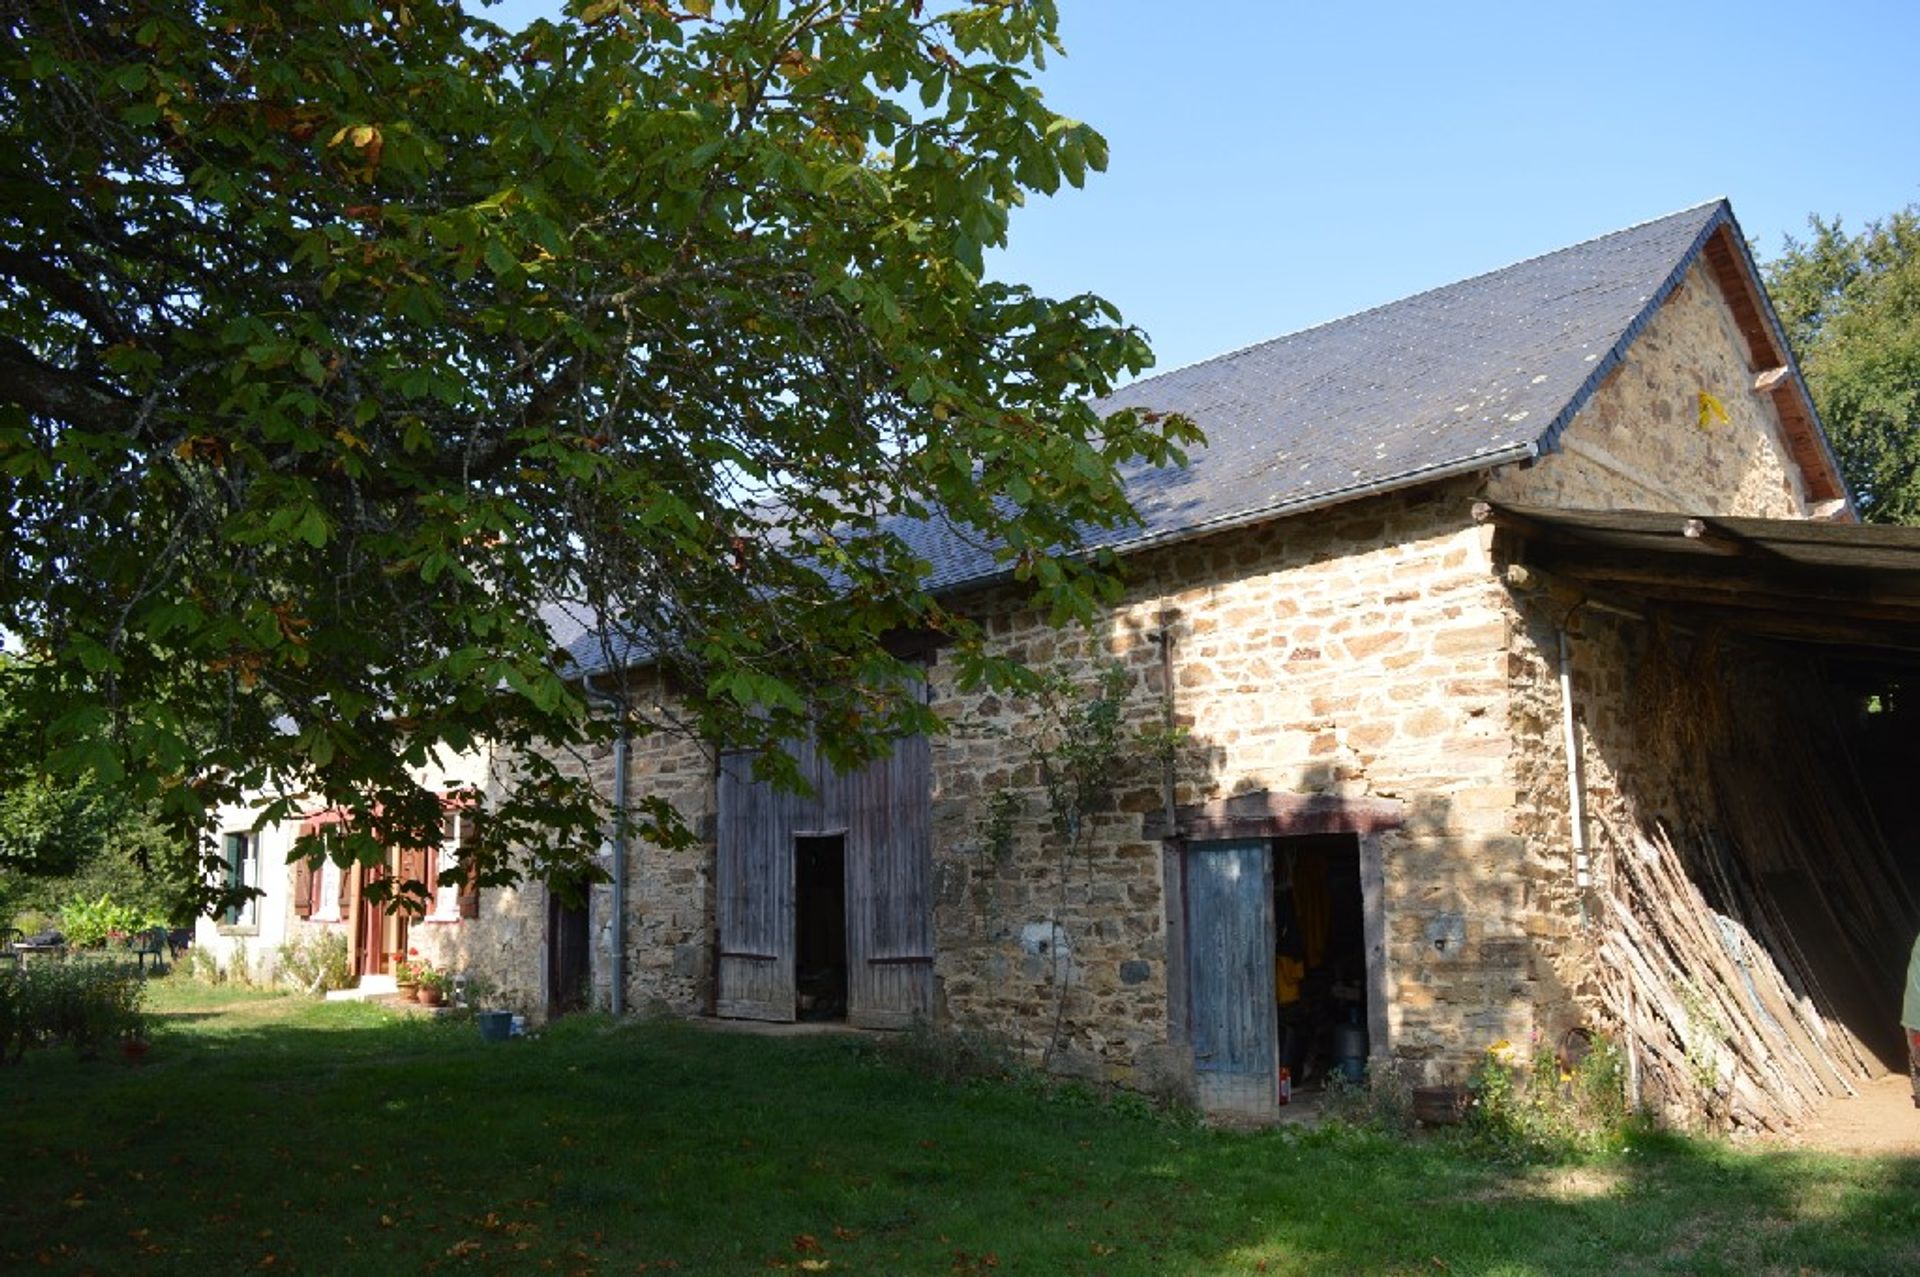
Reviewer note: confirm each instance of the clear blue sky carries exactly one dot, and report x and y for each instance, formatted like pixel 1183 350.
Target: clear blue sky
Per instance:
pixel 1276 164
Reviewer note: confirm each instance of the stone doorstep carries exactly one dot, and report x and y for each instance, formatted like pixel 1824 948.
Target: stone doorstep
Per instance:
pixel 407 1006
pixel 370 986
pixel 384 990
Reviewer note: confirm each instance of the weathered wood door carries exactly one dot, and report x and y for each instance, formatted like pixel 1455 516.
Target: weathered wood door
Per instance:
pixel 569 972
pixel 889 898
pixel 883 811
pixel 1230 1009
pixel 753 870
pixel 378 934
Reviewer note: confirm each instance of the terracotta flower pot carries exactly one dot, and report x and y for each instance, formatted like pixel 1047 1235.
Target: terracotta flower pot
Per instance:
pixel 408 990
pixel 430 995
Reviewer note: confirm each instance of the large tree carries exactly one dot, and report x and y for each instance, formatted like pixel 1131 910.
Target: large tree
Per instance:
pixel 339 336
pixel 1851 304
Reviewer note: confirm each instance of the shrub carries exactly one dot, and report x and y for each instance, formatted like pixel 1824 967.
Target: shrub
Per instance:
pixel 201 965
pixel 88 924
pixel 1552 1108
pixel 952 1055
pixel 1383 1101
pixel 86 1005
pixel 205 966
pixel 316 964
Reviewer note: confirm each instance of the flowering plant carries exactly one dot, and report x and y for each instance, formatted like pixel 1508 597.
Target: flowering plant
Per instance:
pixel 409 967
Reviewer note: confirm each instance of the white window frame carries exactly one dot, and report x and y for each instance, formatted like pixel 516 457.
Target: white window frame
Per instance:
pixel 243 870
pixel 446 896
pixel 327 908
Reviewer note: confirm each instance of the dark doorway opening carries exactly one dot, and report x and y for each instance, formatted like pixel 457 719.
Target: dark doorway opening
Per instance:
pixel 820 927
pixel 1320 958
pixel 567 970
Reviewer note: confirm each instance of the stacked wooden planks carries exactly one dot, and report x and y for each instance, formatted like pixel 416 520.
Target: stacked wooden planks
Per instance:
pixel 1724 1025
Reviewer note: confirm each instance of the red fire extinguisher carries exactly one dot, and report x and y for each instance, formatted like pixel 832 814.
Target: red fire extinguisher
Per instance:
pixel 1286 1085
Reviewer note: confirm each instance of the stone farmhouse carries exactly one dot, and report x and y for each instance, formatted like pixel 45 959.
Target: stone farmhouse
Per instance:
pixel 301 904
pixel 1427 611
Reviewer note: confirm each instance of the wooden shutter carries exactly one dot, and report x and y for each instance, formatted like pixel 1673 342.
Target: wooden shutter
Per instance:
pixel 303 884
pixel 889 899
pixel 753 871
pixel 349 889
pixel 412 867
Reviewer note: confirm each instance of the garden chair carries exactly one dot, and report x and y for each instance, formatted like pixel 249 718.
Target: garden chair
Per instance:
pixel 152 942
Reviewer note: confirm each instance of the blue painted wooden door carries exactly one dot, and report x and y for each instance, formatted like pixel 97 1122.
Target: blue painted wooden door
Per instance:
pixel 1230 975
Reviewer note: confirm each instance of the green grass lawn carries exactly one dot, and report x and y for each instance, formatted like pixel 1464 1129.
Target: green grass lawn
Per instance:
pixel 268 1134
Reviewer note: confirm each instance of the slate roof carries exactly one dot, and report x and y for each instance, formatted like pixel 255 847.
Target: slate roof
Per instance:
pixel 1477 373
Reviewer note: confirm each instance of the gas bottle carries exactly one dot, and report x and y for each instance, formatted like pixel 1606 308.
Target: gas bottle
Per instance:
pixel 1286 1085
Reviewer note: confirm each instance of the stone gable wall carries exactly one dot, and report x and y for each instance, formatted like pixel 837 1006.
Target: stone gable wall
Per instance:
pixel 1638 444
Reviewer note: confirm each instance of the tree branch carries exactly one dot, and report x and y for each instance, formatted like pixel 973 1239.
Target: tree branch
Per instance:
pixel 47 391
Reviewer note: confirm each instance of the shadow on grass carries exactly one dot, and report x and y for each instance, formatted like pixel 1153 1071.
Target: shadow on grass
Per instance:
pixel 346 1140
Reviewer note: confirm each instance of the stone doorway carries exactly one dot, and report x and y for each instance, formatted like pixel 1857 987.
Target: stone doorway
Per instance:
pixel 1233 866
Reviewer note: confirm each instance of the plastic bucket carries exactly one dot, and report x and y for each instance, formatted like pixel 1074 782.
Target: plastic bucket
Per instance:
pixel 1350 1051
pixel 495 1026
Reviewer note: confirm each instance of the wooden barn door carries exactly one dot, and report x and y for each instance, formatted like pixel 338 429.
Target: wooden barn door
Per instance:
pixel 889 904
pixel 569 969
pixel 1230 1010
pixel 753 868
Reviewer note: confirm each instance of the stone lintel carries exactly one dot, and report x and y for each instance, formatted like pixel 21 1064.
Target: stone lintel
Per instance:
pixel 1265 814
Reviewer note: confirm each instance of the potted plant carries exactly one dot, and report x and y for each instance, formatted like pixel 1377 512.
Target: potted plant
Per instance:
pixel 434 987
pixel 406 973
pixel 478 992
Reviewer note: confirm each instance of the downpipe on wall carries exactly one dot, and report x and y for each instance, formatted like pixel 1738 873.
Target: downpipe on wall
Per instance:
pixel 1163 639
pixel 1576 770
pixel 617 966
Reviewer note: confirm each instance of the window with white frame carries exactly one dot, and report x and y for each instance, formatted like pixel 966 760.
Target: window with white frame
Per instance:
pixel 327 907
pixel 240 851
pixel 455 829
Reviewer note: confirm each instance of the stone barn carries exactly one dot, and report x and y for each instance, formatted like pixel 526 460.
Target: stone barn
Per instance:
pixel 1412 656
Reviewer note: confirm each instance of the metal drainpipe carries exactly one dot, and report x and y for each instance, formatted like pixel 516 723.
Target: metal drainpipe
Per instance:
pixel 1576 771
pixel 617 994
pixel 1164 638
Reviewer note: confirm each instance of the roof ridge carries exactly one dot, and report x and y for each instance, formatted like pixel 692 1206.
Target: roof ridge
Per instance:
pixel 1716 202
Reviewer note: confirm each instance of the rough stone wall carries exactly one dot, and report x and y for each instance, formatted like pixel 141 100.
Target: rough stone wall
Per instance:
pixel 1638 444
pixel 1604 655
pixel 668 903
pixel 1358 652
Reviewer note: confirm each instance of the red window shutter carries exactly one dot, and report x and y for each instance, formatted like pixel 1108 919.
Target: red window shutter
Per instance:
pixel 303 879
